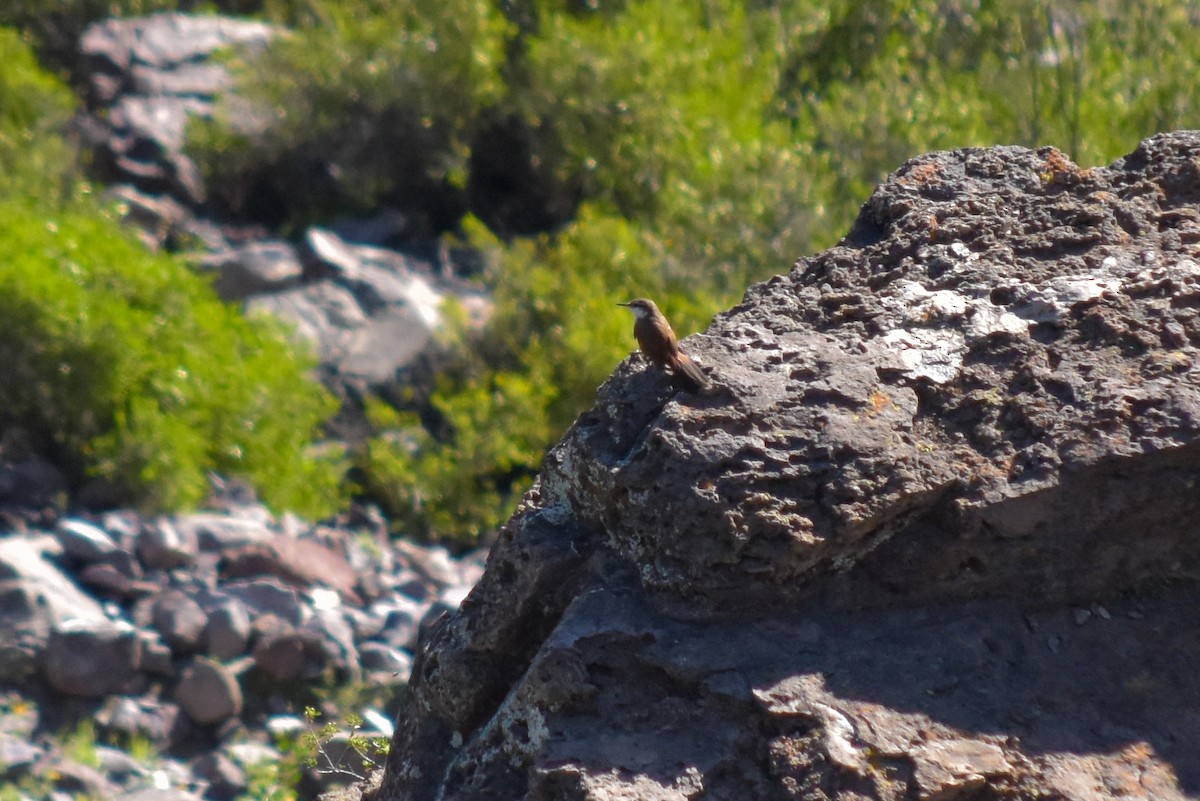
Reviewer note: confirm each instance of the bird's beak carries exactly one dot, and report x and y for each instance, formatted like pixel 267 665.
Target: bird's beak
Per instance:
pixel 626 305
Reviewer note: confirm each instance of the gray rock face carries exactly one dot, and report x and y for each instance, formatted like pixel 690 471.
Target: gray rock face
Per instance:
pixel 83 541
pixel 148 76
pixel 368 310
pixel 49 598
pixel 930 536
pixel 92 660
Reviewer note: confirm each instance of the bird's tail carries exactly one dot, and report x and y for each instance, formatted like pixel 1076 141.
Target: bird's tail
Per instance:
pixel 691 373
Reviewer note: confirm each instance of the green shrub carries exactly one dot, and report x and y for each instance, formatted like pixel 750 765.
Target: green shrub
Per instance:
pixel 668 113
pixel 873 84
pixel 122 365
pixel 127 367
pixel 370 102
pixel 35 159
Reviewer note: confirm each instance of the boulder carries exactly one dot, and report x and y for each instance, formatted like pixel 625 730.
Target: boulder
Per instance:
pixel 147 76
pixel 209 692
pixel 853 569
pixel 179 619
pixel 228 631
pixel 92 659
pixel 83 541
pixel 38 593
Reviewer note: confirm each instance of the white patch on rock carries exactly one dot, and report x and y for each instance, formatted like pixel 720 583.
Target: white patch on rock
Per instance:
pixel 989 319
pixel 1053 301
pixel 838 736
pixel 934 354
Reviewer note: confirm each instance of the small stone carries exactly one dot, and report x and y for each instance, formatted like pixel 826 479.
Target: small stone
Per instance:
pixel 208 692
pixel 154 719
pixel 291 655
pixel 1101 612
pixel 83 541
pixel 377 657
pixel 224 778
pixel 249 754
pixel 254 268
pixel 17 754
pixel 228 632
pixel 268 596
pixel 161 546
pixel 156 654
pixel 117 764
pixel 220 532
pixel 284 725
pixel 1082 616
pixel 83 780
pixel 180 620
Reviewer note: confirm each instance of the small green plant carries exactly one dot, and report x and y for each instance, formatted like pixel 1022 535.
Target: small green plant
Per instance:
pixel 273 780
pixel 342 752
pixel 79 744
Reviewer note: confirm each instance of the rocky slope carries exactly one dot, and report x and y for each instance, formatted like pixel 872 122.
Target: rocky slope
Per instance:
pixel 932 536
pixel 203 637
pixel 370 311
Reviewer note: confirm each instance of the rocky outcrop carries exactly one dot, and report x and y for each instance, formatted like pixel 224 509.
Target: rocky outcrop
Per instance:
pixel 369 312
pixel 146 79
pixel 201 634
pixel 932 535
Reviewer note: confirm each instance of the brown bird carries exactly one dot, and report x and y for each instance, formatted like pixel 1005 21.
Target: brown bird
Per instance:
pixel 657 341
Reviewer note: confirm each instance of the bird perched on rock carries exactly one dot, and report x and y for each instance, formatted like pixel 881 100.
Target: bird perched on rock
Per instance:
pixel 658 342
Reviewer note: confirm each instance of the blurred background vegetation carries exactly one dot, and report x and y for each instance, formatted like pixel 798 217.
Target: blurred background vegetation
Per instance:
pixel 591 150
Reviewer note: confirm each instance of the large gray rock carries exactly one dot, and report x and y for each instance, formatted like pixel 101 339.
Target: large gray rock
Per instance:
pixel 368 310
pixel 83 541
pixel 92 660
pixel 147 77
pixel 50 597
pixel 180 621
pixel 254 268
pixel 932 535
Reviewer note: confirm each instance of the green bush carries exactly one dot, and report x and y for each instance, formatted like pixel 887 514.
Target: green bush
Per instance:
pixel 127 367
pixel 663 113
pixel 124 366
pixel 35 160
pixel 668 113
pixel 873 84
pixel 369 102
